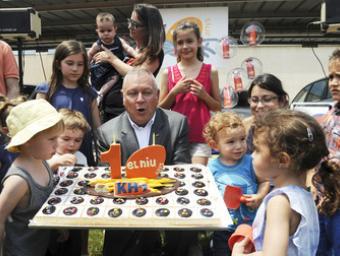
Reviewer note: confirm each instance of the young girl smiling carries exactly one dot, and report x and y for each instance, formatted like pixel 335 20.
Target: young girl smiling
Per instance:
pixel 191 88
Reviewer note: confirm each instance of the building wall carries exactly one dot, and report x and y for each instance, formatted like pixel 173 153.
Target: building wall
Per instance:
pixel 296 66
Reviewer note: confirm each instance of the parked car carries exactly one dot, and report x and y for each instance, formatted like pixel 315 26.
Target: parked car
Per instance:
pixel 315 98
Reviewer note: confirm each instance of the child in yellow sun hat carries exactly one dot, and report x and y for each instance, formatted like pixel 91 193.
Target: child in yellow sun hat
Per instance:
pixel 33 127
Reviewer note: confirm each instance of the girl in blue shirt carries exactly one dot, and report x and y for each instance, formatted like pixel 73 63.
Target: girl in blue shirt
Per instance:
pixel 69 88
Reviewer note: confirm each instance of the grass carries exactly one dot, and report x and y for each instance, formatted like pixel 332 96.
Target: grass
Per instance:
pixel 96 239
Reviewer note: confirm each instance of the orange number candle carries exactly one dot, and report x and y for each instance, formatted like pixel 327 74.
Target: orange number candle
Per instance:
pixel 112 156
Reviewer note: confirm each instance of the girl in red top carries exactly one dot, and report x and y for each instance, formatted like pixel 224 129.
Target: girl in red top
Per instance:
pixel 191 87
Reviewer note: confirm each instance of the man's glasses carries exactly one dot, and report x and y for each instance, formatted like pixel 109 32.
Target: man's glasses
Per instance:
pixel 134 24
pixel 264 100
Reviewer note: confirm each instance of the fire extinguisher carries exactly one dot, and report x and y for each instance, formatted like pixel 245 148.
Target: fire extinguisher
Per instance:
pixel 252 36
pixel 238 82
pixel 250 69
pixel 225 49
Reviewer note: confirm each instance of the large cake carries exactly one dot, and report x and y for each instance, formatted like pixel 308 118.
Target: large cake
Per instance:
pixel 193 203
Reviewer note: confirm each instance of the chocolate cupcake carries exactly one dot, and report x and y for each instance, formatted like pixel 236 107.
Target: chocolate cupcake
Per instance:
pixel 183 200
pixel 203 201
pixel 178 169
pixel 206 212
pixel 79 191
pixel 197 176
pixel 185 212
pixel 65 183
pixel 49 209
pixel 162 212
pixel 91 169
pixel 139 212
pixel 76 169
pixel 181 184
pixel 179 175
pixel 61 191
pixel 198 184
pixel 54 200
pixel 195 169
pixel 83 183
pixel 90 175
pixel 141 200
pixel 200 192
pixel 181 191
pixel 77 200
pixel 162 200
pixel 92 211
pixel 72 175
pixel 118 200
pixel 97 200
pixel 115 212
pixel 70 210
pixel 56 180
pixel 105 176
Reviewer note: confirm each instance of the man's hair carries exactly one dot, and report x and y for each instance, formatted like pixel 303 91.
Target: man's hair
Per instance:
pixel 105 16
pixel 74 120
pixel 140 72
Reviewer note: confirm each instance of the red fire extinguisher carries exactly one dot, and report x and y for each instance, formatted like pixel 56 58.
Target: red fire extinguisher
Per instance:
pixel 252 36
pixel 250 69
pixel 238 82
pixel 225 49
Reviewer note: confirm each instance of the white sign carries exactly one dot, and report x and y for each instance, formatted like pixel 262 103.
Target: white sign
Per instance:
pixel 213 24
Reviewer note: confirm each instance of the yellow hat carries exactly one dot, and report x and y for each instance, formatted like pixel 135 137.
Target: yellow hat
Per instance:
pixel 29 118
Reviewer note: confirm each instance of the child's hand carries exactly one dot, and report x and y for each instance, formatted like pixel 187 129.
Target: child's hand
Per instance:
pixel 182 86
pixel 196 88
pixel 105 56
pixel 67 159
pixel 240 247
pixel 252 201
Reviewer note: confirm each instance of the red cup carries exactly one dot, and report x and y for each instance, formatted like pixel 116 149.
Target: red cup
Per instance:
pixel 242 231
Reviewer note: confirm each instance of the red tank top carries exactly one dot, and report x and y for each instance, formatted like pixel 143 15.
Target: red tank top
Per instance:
pixel 190 105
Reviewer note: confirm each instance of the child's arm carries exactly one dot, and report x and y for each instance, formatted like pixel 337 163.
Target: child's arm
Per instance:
pixel 95 114
pixel 254 201
pixel 92 51
pixel 107 86
pixel 128 49
pixel 61 160
pixel 40 96
pixel 213 101
pixel 166 97
pixel 276 234
pixel 14 189
pixel 122 67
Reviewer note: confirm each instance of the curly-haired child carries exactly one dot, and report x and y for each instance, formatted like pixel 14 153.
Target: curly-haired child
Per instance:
pixel 226 133
pixel 286 145
pixel 327 182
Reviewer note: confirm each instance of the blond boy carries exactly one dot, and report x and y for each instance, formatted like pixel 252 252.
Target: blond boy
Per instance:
pixel 69 142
